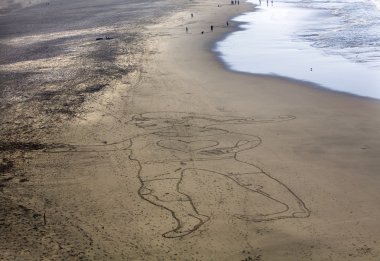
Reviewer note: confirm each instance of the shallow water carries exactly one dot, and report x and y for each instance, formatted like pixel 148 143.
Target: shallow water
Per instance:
pixel 335 44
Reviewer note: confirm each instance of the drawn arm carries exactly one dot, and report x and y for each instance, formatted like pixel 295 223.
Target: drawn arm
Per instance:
pixel 253 120
pixel 115 146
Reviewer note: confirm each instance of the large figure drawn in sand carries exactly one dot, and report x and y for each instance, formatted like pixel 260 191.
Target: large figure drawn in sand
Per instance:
pixel 175 144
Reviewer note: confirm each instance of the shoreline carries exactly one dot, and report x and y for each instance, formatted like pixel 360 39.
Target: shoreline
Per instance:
pixel 322 76
pixel 113 189
pixel 307 84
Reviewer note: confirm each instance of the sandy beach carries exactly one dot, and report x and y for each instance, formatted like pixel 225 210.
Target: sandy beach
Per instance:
pixel 165 154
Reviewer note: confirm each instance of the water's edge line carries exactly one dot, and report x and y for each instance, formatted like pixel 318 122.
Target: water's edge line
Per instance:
pixel 308 84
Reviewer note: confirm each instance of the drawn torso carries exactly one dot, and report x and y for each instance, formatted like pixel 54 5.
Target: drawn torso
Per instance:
pixel 188 144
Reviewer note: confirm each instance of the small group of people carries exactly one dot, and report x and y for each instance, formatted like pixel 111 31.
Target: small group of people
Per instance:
pixel 211 28
pixel 234 2
pixel 267 2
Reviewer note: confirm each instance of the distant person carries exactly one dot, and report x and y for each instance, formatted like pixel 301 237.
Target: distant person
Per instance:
pixel 260 2
pixel 202 32
pixel 187 29
pixel 232 2
pixel 227 24
pixel 238 2
pixel 212 28
pixel 192 15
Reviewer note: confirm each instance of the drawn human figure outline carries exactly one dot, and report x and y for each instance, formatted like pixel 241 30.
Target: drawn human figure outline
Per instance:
pixel 176 143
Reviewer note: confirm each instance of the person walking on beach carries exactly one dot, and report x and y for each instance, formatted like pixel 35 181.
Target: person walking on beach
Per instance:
pixel 227 23
pixel 212 28
pixel 187 29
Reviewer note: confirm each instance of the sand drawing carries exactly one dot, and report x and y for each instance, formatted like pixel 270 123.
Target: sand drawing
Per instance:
pixel 174 144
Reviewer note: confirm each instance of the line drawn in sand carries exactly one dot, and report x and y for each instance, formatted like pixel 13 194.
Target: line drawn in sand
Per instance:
pixel 174 144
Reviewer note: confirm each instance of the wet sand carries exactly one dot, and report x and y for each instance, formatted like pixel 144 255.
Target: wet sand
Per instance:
pixel 182 159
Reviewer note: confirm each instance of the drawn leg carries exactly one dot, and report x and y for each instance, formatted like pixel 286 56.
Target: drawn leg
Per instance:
pixel 160 186
pixel 256 180
pixel 273 189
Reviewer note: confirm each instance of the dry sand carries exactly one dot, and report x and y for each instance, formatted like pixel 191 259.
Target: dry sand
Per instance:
pixel 185 160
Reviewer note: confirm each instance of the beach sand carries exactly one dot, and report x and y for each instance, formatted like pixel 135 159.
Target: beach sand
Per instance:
pixel 182 159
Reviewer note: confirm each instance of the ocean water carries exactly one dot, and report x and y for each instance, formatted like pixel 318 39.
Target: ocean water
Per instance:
pixel 333 43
